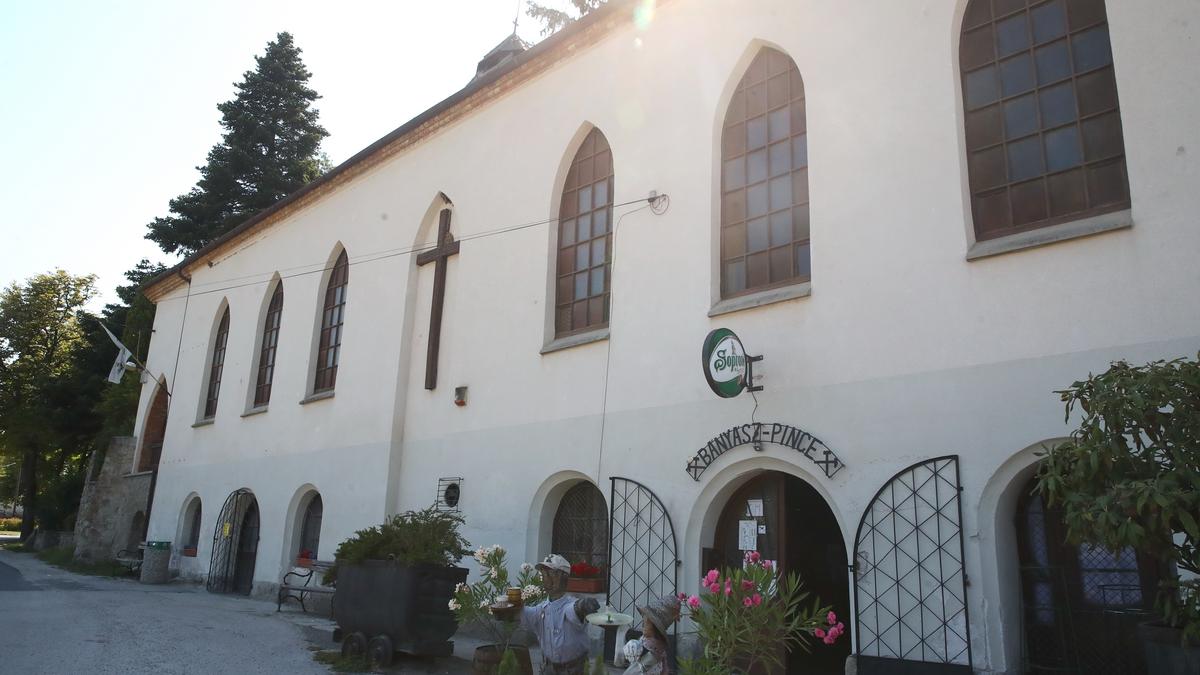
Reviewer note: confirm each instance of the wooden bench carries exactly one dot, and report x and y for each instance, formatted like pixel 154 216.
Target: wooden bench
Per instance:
pixel 298 583
pixel 130 560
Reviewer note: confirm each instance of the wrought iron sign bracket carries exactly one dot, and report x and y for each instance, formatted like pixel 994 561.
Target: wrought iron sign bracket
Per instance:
pixel 750 361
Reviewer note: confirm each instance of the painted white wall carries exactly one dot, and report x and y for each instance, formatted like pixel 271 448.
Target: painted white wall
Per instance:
pixel 904 351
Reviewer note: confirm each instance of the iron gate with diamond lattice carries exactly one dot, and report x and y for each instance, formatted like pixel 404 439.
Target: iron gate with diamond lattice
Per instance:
pixel 222 567
pixel 909 583
pixel 643 564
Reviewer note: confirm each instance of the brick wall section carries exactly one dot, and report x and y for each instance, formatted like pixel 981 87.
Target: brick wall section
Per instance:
pixel 112 497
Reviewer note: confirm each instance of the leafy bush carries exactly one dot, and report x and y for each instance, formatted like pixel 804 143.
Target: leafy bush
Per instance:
pixel 428 537
pixel 10 524
pixel 1130 475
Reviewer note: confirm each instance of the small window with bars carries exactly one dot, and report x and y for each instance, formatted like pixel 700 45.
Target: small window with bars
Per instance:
pixel 581 526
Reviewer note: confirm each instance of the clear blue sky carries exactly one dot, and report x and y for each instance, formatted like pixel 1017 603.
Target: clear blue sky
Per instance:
pixel 109 107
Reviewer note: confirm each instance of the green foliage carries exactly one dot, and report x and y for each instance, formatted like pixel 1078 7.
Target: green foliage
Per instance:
pixel 598 667
pixel 471 602
pixel 65 558
pixel 748 618
pixel 1130 475
pixel 343 664
pixel 270 148
pixel 508 664
pixel 428 537
pixel 553 19
pixel 10 524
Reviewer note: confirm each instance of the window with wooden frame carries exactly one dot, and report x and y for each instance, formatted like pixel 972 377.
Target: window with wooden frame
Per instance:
pixel 270 343
pixel 329 348
pixel 764 179
pixel 580 531
pixel 585 225
pixel 216 366
pixel 1043 124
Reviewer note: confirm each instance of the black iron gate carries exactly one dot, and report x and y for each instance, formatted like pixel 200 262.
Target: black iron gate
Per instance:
pixel 909 583
pixel 643 564
pixel 227 535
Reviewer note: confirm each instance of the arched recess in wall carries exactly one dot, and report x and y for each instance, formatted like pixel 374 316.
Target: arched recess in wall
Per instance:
pixel 191 518
pixel 302 531
pixel 266 345
pixel 329 322
pixel 761 238
pixel 539 530
pixel 1061 606
pixel 154 428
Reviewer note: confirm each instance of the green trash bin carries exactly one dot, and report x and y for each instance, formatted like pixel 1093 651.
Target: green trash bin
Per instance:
pixel 156 561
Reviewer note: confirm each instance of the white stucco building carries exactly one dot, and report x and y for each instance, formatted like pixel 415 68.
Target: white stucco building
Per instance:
pixel 926 216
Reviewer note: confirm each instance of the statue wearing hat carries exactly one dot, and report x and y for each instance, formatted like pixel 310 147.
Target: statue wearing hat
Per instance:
pixel 558 622
pixel 648 654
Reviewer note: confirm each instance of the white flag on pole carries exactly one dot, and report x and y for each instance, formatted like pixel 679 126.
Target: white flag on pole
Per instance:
pixel 118 367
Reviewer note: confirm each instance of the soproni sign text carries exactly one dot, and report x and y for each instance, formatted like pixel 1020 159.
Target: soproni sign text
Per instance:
pixel 765 432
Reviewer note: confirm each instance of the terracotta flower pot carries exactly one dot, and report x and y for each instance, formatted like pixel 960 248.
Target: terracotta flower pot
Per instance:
pixel 588 585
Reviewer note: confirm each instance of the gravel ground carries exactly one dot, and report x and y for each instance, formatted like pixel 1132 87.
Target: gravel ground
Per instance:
pixel 53 621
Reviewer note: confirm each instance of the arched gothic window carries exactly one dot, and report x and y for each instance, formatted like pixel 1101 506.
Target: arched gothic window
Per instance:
pixel 332 316
pixel 310 531
pixel 585 240
pixel 581 526
pixel 764 179
pixel 270 342
pixel 1043 124
pixel 216 366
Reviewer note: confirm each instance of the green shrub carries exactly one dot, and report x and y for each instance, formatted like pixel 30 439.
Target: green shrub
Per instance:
pixel 428 537
pixel 10 524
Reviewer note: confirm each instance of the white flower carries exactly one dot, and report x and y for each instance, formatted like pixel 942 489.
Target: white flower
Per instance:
pixel 454 606
pixel 526 568
pixel 461 588
pixel 483 604
pixel 531 592
pixel 496 548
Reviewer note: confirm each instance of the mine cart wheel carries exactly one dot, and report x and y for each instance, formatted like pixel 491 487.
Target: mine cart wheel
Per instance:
pixel 380 651
pixel 354 645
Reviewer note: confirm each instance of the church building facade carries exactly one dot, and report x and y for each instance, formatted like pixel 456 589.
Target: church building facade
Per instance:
pixel 926 218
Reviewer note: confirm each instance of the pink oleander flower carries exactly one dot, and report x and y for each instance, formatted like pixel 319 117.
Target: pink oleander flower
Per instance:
pixel 831 618
pixel 682 597
pixel 753 556
pixel 766 565
pixel 728 587
pixel 693 602
pixel 757 599
pixel 747 585
pixel 715 588
pixel 819 633
pixel 712 577
pixel 746 602
pixel 829 639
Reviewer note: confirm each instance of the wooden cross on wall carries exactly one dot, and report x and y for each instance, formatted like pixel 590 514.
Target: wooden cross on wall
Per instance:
pixel 446 247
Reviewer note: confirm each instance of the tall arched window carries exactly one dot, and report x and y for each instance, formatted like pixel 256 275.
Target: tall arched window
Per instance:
pixel 310 531
pixel 217 364
pixel 1043 125
pixel 270 341
pixel 191 532
pixel 581 526
pixel 331 326
pixel 764 179
pixel 585 240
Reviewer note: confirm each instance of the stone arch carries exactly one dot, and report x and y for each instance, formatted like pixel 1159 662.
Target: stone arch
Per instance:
pixel 154 428
pixel 539 530
pixel 293 527
pixel 190 524
pixel 1000 576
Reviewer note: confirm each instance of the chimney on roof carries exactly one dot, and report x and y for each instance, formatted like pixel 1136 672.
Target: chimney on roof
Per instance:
pixel 507 50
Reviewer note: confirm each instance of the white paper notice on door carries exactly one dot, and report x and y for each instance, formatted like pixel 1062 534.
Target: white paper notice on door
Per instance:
pixel 755 506
pixel 748 535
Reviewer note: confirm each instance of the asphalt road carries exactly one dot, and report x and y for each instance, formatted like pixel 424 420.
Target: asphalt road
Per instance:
pixel 52 621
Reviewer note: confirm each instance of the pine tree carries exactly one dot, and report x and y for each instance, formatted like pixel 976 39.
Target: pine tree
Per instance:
pixel 553 19
pixel 270 148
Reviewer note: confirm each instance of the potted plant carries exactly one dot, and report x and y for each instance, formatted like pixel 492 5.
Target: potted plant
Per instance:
pixel 495 595
pixel 747 619
pixel 393 583
pixel 1130 477
pixel 585 578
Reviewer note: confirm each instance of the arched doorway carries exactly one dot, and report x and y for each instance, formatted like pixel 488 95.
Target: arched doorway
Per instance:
pixel 235 545
pixel 154 430
pixel 1080 604
pixel 794 526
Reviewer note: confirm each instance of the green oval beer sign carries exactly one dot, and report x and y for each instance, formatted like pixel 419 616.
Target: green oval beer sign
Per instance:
pixel 724 361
